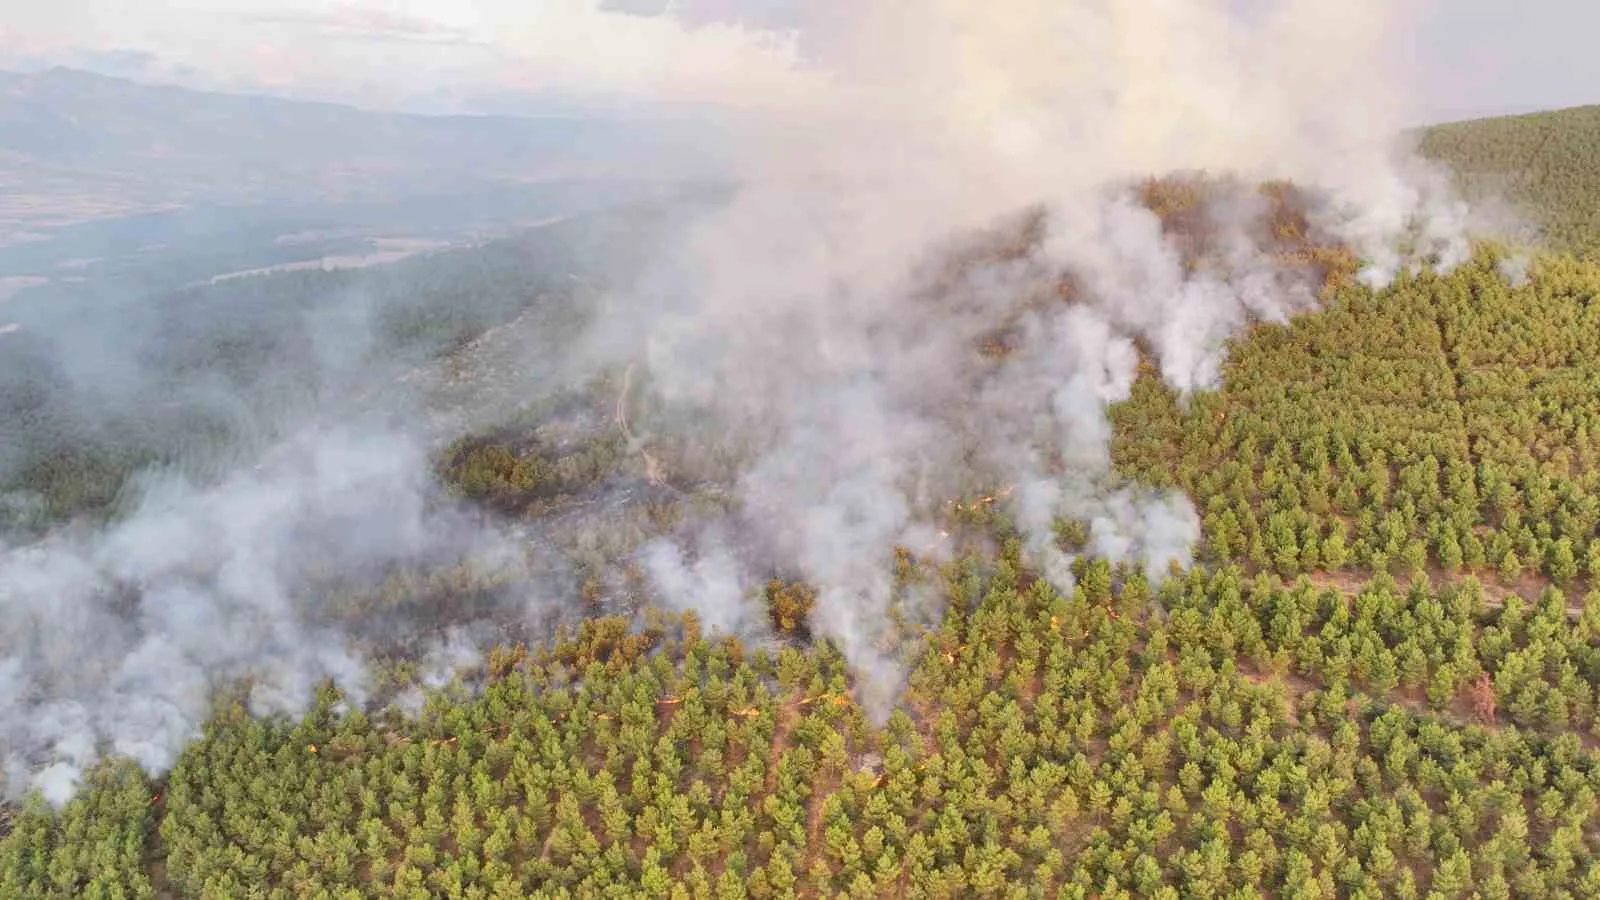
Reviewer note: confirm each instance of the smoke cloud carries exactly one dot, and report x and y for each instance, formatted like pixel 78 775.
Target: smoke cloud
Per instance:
pixel 960 170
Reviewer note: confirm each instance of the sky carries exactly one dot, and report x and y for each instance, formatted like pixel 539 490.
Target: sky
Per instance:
pixel 1488 56
pixel 1469 57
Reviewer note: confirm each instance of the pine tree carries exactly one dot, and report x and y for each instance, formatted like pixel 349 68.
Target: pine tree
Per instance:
pixel 1510 567
pixel 1334 551
pixel 1472 550
pixel 1563 563
pixel 1449 550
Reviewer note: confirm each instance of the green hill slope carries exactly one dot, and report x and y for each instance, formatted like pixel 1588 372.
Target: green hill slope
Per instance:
pixel 1384 680
pixel 1381 680
pixel 1546 164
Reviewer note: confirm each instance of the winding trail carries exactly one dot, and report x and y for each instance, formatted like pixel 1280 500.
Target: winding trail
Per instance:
pixel 652 467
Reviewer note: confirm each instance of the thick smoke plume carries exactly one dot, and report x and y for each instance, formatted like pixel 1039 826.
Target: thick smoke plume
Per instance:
pixel 964 174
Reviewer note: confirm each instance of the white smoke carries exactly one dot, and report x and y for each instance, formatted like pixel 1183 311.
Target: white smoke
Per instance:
pixel 813 317
pixel 1515 269
pixel 715 583
pixel 116 641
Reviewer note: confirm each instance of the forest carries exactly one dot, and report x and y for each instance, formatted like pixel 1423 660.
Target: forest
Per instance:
pixel 1381 679
pixel 1544 164
pixel 1258 738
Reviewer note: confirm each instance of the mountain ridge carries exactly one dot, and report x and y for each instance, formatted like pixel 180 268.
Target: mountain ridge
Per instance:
pixel 1544 165
pixel 76 146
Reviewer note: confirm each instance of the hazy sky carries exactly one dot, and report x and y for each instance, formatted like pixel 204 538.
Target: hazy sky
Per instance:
pixel 1508 55
pixel 1472 56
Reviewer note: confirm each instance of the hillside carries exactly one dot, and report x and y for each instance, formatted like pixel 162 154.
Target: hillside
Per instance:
pixel 1382 680
pixel 1547 164
pixel 825 451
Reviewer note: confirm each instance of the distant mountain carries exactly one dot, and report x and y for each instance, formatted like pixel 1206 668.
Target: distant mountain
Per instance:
pixel 76 146
pixel 1545 164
